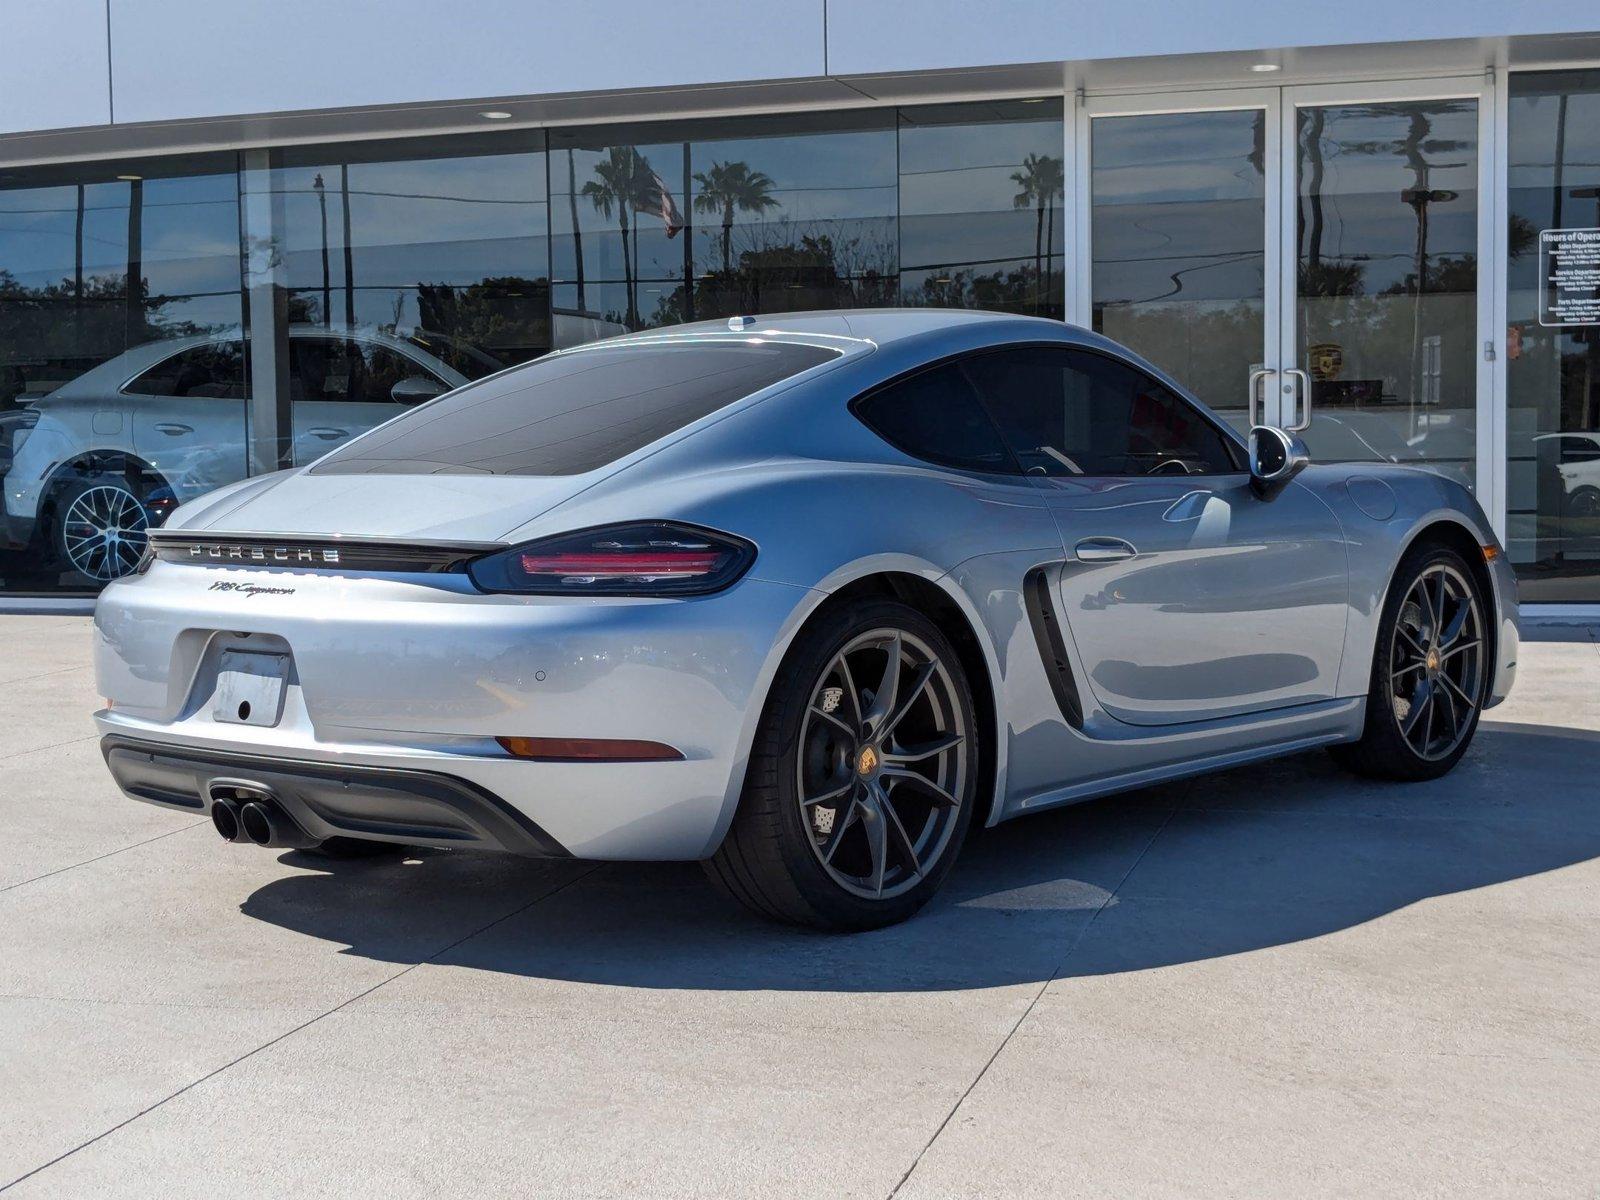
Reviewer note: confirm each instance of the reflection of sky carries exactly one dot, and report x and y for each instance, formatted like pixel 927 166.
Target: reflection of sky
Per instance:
pixel 439 220
pixel 1178 195
pixel 1531 147
pixel 1176 157
pixel 1365 167
pixel 189 235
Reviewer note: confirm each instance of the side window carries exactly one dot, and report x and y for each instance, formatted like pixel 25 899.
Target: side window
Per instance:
pixel 213 370
pixel 1579 450
pixel 1070 412
pixel 346 370
pixel 935 415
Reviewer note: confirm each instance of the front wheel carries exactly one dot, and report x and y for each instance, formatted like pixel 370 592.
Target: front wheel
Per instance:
pixel 1429 671
pixel 863 776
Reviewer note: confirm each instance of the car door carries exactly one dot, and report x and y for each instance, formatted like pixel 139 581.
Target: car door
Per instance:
pixel 1187 596
pixel 343 386
pixel 188 416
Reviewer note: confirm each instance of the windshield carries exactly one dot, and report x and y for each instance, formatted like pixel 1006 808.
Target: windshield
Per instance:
pixel 571 413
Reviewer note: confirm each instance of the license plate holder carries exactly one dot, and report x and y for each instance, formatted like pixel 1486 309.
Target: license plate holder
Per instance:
pixel 250 687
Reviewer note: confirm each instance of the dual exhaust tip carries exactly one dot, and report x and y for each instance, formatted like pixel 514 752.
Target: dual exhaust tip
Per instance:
pixel 259 819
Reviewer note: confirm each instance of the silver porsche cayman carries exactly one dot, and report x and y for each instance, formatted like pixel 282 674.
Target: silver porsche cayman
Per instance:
pixel 807 598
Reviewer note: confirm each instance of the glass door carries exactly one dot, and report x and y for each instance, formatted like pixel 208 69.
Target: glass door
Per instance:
pixel 1183 212
pixel 1304 256
pixel 1381 346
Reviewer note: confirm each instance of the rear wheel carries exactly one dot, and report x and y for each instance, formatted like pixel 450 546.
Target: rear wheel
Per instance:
pixel 862 780
pixel 1429 672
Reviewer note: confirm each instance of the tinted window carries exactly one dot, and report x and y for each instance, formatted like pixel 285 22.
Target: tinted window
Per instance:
pixel 1069 412
pixel 573 412
pixel 936 415
pixel 348 371
pixel 1578 449
pixel 214 369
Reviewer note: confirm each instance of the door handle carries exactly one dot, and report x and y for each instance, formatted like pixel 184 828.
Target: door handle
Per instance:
pixel 1302 400
pixel 174 429
pixel 1103 549
pixel 328 434
pixel 1253 401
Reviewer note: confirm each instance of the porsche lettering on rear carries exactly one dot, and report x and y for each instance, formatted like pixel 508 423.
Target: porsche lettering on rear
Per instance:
pixel 316 556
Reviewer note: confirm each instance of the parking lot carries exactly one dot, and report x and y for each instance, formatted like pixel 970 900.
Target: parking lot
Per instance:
pixel 1275 982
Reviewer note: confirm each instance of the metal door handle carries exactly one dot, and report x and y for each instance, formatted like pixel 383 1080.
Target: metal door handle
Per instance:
pixel 1302 399
pixel 1253 403
pixel 173 429
pixel 328 434
pixel 1103 549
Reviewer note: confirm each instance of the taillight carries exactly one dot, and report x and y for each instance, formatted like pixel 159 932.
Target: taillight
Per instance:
pixel 652 558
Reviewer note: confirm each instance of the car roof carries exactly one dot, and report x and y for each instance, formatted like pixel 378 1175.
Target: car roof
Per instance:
pixel 880 326
pixel 854 331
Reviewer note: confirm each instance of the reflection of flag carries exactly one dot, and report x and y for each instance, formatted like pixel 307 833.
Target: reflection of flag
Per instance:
pixel 670 216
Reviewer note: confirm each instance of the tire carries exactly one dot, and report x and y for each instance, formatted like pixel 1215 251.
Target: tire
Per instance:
pixel 1585 504
pixel 901 777
pixel 1429 672
pixel 99 526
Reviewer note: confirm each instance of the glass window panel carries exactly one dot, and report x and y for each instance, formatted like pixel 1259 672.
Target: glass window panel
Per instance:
pixel 411 268
pixel 107 271
pixel 1552 371
pixel 617 211
pixel 442 242
pixel 657 225
pixel 981 220
pixel 1387 279
pixel 809 211
pixel 1178 233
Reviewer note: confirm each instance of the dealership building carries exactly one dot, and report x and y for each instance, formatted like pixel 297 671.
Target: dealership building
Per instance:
pixel 234 234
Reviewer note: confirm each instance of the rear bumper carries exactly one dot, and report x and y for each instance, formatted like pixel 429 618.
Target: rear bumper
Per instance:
pixel 416 674
pixel 419 808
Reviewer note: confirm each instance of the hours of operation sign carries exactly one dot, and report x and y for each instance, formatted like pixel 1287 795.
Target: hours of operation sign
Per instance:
pixel 1569 274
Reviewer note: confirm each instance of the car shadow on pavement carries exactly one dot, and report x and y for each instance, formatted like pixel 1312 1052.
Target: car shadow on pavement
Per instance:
pixel 1260 856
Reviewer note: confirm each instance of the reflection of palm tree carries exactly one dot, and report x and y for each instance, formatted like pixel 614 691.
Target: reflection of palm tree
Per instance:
pixel 625 183
pixel 1040 181
pixel 729 186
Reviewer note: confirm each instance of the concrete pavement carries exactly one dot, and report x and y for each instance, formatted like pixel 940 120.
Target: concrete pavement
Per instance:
pixel 1279 981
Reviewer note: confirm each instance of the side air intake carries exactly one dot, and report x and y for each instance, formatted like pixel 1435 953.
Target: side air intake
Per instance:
pixel 1052 646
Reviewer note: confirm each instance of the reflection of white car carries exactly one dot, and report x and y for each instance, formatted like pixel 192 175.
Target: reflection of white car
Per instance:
pixel 100 459
pixel 1577 458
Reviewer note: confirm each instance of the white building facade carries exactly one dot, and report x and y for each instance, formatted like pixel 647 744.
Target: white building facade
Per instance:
pixel 234 234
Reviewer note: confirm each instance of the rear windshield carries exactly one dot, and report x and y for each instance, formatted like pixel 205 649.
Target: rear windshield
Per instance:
pixel 571 413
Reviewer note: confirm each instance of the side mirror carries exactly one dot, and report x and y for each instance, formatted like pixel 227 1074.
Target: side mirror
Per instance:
pixel 414 389
pixel 1275 458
